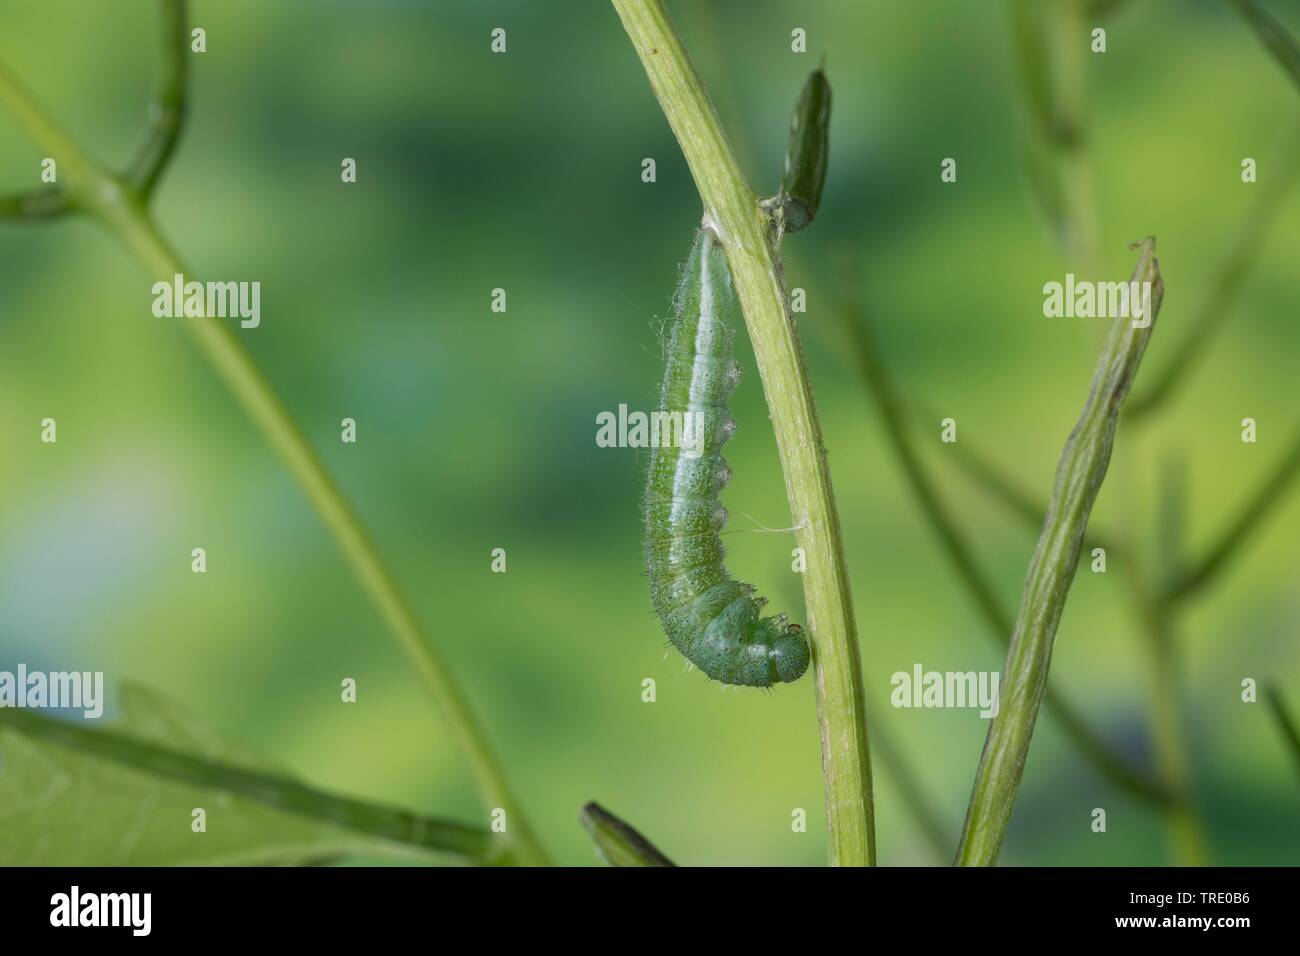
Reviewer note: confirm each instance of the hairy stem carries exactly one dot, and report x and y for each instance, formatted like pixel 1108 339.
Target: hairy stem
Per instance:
pixel 1079 475
pixel 731 208
pixel 271 790
pixel 122 212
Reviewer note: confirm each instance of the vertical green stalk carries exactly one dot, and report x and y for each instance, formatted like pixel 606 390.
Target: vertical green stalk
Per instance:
pixel 1186 836
pixel 732 208
pixel 1079 475
pixel 123 212
pixel 167 109
pixel 1070 44
pixel 929 820
pixel 958 549
pixel 1049 40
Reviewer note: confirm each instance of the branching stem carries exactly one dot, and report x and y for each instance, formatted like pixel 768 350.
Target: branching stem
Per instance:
pixel 122 209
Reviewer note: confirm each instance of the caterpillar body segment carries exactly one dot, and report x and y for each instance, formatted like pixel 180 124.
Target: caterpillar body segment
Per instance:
pixel 713 620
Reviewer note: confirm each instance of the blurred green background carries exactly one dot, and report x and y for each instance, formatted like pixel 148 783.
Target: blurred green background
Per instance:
pixel 476 430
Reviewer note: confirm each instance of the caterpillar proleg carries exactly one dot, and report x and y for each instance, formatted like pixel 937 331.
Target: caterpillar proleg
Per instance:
pixel 713 620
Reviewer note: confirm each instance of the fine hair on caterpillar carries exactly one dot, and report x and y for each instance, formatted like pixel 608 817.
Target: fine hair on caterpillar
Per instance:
pixel 710 618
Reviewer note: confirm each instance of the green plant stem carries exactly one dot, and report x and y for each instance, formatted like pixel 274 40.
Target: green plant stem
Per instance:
pixel 123 213
pixel 169 102
pixel 981 469
pixel 899 767
pixel 37 205
pixel 1049 43
pixel 1070 49
pixel 1273 35
pixel 731 208
pixel 1213 309
pixel 271 790
pixel 1186 834
pixel 1268 496
pixel 1286 721
pixel 617 843
pixel 1185 831
pixel 1190 578
pixel 962 556
pixel 1051 572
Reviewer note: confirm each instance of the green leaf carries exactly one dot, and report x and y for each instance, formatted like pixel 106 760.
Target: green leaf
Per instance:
pixel 807 153
pixel 617 843
pixel 63 807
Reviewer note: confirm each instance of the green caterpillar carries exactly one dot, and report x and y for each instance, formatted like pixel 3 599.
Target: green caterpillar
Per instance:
pixel 712 619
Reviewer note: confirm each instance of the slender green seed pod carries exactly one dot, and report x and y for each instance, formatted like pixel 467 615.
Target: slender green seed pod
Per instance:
pixel 713 620
pixel 807 153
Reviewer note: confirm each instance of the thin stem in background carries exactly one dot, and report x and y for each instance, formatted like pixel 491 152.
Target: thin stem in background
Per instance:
pixel 1213 309
pixel 123 212
pixel 169 103
pixel 962 556
pixel 1286 721
pixel 900 769
pixel 1190 577
pixel 1049 43
pixel 270 790
pixel 981 469
pixel 731 207
pixel 1186 833
pixel 1069 38
pixel 1267 497
pixel 617 843
pixel 37 205
pixel 1051 572
pixel 1273 35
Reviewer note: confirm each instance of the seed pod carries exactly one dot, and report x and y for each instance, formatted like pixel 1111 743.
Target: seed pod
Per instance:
pixel 712 619
pixel 806 154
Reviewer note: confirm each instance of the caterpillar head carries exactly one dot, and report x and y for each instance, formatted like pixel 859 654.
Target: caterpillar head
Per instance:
pixel 790 655
pixel 787 649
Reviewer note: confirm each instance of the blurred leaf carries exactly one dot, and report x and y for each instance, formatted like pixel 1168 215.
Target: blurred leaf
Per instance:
pixel 59 807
